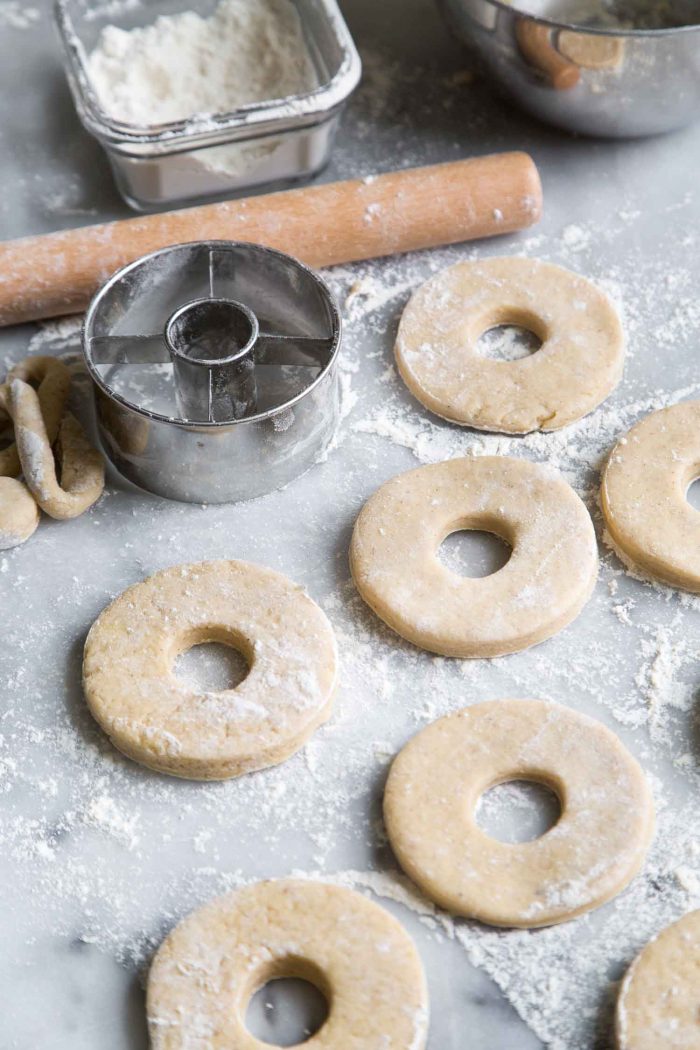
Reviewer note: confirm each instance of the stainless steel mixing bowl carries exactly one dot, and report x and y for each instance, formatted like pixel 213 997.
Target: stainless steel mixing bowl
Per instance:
pixel 590 66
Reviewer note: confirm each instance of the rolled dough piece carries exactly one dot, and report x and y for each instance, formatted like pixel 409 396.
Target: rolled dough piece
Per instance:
pixel 649 520
pixel 545 584
pixel 19 514
pixel 163 722
pixel 205 973
pixel 52 379
pixel 82 467
pixel 658 1008
pixel 578 365
pixel 588 857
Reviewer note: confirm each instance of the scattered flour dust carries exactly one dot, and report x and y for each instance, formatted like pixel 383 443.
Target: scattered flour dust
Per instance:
pixel 666 652
pixel 14 14
pixel 111 856
pixel 549 975
pixel 185 65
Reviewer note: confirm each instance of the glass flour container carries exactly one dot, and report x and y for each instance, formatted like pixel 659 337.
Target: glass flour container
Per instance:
pixel 217 155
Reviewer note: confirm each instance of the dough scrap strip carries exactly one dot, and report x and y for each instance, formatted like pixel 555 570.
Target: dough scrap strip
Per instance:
pixel 82 466
pixel 47 444
pixel 53 380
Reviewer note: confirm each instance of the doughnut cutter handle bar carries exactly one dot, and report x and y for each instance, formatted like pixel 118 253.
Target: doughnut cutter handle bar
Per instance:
pixel 214 345
pixel 214 369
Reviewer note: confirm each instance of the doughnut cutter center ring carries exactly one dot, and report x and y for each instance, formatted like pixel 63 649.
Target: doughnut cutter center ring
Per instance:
pixel 215 370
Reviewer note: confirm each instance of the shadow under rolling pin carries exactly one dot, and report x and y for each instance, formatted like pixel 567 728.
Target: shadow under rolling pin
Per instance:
pixel 341 222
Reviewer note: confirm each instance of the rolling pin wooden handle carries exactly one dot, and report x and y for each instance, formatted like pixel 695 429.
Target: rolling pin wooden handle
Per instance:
pixel 338 222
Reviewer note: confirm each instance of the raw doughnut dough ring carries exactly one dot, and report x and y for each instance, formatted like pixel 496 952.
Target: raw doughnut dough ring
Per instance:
pixel 160 721
pixel 358 955
pixel 657 1008
pixel 644 496
pixel 19 514
pixel 578 365
pixel 542 588
pixel 589 856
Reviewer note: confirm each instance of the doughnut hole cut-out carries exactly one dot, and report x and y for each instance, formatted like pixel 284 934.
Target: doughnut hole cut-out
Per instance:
pixel 206 972
pixel 544 585
pixel 160 720
pixel 590 854
pixel 577 366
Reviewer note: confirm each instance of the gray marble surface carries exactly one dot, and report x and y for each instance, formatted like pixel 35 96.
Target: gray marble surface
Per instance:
pixel 98 858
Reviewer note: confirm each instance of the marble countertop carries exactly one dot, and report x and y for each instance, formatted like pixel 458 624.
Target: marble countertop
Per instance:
pixel 99 858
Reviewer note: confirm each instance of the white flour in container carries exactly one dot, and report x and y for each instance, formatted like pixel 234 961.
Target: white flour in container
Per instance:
pixel 189 67
pixel 186 65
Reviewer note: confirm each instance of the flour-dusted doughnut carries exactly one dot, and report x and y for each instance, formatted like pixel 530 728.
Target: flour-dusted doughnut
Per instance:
pixel 590 854
pixel 52 379
pixel 578 365
pixel 19 514
pixel 82 467
pixel 649 520
pixel 543 586
pixel 657 1008
pixel 157 719
pixel 205 973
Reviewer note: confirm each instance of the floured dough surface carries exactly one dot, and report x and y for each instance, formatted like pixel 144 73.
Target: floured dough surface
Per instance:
pixel 658 1006
pixel 359 956
pixel 547 580
pixel 644 496
pixel 52 381
pixel 163 722
pixel 590 854
pixel 82 473
pixel 578 365
pixel 19 514
pixel 592 50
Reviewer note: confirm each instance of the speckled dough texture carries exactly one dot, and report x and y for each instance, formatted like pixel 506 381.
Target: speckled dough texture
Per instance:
pixel 52 380
pixel 542 587
pixel 657 1008
pixel 644 496
pixel 579 363
pixel 82 472
pixel 591 50
pixel 19 514
pixel 590 854
pixel 358 955
pixel 157 719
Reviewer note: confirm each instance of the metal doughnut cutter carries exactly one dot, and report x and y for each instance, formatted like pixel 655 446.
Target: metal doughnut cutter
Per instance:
pixel 214 369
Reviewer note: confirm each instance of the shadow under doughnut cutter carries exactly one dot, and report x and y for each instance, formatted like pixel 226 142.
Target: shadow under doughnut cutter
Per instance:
pixel 215 370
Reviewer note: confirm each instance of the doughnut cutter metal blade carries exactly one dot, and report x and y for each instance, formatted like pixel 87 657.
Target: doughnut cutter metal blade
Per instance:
pixel 214 369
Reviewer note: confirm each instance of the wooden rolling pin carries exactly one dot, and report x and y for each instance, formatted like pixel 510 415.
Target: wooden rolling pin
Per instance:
pixel 338 222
